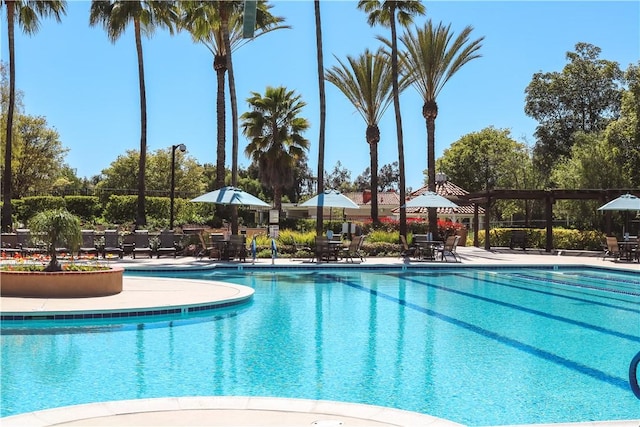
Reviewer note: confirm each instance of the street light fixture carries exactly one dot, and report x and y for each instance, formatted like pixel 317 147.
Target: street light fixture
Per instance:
pixel 182 148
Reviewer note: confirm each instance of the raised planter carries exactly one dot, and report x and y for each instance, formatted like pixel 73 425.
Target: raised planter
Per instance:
pixel 61 284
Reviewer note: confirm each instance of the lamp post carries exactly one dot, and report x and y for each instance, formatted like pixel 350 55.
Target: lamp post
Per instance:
pixel 182 148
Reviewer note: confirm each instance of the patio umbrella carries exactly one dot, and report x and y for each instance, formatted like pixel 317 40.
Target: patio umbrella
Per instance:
pixel 231 196
pixel 330 199
pixel 626 202
pixel 430 200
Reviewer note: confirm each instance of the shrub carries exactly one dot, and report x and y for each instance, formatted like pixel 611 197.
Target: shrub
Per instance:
pixel 537 238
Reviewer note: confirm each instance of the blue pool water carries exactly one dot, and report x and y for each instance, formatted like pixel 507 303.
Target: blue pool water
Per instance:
pixel 480 346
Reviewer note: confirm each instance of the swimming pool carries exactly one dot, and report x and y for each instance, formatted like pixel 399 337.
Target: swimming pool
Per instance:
pixel 480 346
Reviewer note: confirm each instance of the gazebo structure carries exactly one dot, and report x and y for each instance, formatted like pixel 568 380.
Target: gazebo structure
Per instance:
pixel 549 196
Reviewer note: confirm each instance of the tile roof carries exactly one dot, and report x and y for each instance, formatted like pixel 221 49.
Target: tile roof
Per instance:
pixel 449 190
pixel 384 198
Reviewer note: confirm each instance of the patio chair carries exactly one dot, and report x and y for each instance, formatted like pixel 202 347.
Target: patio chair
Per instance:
pixel 111 244
pixel 323 249
pixel 88 245
pixel 612 249
pixel 408 251
pixel 167 244
pixel 353 249
pixel 237 247
pixel 449 248
pixel 142 243
pixel 359 251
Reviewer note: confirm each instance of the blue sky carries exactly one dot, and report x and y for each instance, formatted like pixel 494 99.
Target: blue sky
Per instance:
pixel 87 87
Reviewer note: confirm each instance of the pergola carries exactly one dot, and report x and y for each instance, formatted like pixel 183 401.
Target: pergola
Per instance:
pixel 486 198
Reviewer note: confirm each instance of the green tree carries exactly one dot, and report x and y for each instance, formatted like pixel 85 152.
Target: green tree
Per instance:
pixel 589 165
pixel 38 157
pixel 484 160
pixel 367 82
pixel 623 133
pixel 385 12
pixel 59 227
pixel 190 177
pixel 490 159
pixel 339 179
pixel 432 57
pixel 585 97
pixel 274 128
pixel 146 15
pixel 27 14
pixel 389 177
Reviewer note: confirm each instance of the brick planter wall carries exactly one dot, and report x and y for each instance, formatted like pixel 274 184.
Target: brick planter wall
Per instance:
pixel 62 284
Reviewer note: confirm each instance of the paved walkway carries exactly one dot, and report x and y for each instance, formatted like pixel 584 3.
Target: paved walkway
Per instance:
pixel 144 293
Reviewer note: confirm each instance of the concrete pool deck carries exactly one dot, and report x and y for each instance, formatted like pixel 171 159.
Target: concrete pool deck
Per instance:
pixel 146 293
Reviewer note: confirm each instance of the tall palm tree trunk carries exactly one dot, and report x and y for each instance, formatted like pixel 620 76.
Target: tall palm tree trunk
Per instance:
pixel 396 107
pixel 431 170
pixel 7 223
pixel 373 137
pixel 141 218
pixel 220 68
pixel 323 113
pixel 234 120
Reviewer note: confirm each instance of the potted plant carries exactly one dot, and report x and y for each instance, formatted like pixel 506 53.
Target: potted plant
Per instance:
pixel 59 228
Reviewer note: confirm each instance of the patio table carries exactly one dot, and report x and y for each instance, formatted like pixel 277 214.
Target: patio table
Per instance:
pixel 628 249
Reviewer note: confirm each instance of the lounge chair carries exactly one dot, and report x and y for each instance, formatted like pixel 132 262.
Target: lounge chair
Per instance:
pixel 207 249
pixel 9 244
pixel 167 244
pixel 25 241
pixel 612 249
pixel 88 246
pixel 142 243
pixel 111 244
pixel 518 239
pixel 299 247
pixel 449 248
pixel 128 243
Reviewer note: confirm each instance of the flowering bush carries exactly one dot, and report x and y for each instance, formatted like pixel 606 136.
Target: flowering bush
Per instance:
pixel 447 228
pixel 416 226
pixel 39 263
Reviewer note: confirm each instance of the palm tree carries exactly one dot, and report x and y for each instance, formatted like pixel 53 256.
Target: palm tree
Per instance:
pixel 58 227
pixel 367 82
pixel 432 57
pixel 219 27
pixel 275 129
pixel 27 14
pixel 146 15
pixel 323 113
pixel 384 12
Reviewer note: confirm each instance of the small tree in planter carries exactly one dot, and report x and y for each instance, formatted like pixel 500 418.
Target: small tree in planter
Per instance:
pixel 56 226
